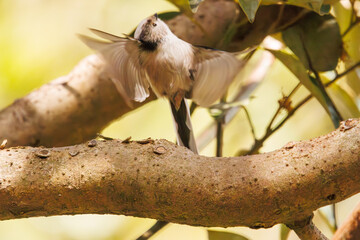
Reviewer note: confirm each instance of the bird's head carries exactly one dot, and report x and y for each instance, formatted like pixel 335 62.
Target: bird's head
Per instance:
pixel 151 29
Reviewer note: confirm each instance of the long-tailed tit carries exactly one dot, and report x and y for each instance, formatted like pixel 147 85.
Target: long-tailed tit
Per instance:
pixel 172 67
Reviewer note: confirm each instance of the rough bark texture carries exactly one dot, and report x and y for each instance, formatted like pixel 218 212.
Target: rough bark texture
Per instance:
pixel 60 114
pixel 350 229
pixel 157 179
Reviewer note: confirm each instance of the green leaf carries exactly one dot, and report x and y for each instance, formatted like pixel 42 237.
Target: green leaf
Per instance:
pixel 298 69
pixel 327 218
pixel 184 7
pixel 219 235
pixel 194 5
pixel 344 101
pixel 250 8
pixel 316 39
pixel 168 15
pixel 313 5
pixel 284 232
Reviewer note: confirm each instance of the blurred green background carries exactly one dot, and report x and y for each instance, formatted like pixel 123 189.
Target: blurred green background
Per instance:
pixel 38 44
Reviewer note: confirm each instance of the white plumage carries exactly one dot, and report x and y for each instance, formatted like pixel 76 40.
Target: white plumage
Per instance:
pixel 172 67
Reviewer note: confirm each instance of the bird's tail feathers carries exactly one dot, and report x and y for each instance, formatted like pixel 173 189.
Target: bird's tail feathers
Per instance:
pixel 183 126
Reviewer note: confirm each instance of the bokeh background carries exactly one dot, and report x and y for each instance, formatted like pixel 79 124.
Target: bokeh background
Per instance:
pixel 38 43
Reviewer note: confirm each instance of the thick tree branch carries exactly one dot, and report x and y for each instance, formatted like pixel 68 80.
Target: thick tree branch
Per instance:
pixel 158 179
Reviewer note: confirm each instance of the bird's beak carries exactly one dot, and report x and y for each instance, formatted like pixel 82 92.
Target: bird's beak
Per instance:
pixel 156 16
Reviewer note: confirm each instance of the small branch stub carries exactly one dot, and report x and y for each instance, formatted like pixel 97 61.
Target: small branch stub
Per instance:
pixel 73 153
pixel 145 141
pixel 3 144
pixel 104 137
pixel 126 140
pixel 348 124
pixel 43 153
pixel 92 143
pixel 306 230
pixel 160 150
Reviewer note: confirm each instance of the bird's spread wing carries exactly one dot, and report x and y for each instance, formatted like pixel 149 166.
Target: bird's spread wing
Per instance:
pixel 107 36
pixel 213 72
pixel 122 57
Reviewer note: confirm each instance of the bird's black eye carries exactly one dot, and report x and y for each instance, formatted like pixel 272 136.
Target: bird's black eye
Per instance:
pixel 154 24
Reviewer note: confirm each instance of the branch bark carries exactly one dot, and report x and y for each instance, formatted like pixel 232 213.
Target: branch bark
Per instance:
pixel 157 179
pixel 349 230
pixel 68 110
pixel 306 230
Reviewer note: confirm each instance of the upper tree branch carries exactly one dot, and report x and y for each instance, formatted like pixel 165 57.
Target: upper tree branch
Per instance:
pixel 163 181
pixel 68 110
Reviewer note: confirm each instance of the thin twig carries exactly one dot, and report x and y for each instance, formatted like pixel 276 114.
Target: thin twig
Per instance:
pixel 278 19
pixel 330 108
pixel 219 137
pixel 333 211
pixel 308 232
pixel 154 229
pixel 250 122
pixel 223 44
pixel 294 90
pixel 290 113
pixel 280 106
pixel 99 135
pixel 336 118
pixel 220 131
pixel 259 142
pixel 351 27
pixel 301 14
pixel 326 221
pixel 340 75
pixel 352 21
pixel 274 117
